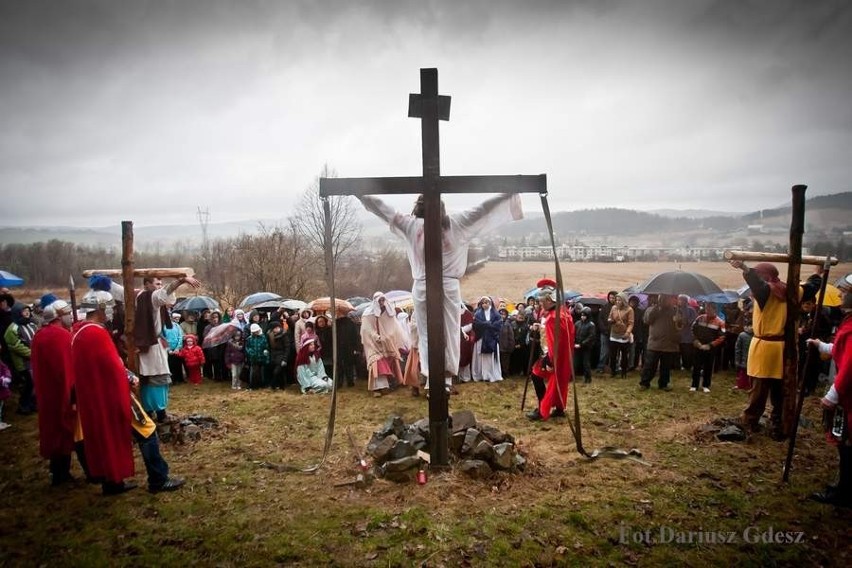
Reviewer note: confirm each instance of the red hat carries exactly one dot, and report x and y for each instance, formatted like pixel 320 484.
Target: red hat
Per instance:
pixel 546 282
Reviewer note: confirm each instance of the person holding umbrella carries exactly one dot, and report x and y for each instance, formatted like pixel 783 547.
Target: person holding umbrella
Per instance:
pixel 664 325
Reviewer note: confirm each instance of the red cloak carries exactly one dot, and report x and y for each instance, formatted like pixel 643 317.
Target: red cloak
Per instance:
pixel 54 379
pixel 842 354
pixel 103 401
pixel 561 361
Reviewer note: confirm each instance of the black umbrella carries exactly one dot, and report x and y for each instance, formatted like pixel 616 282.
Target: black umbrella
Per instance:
pixel 590 301
pixel 196 304
pixel 680 282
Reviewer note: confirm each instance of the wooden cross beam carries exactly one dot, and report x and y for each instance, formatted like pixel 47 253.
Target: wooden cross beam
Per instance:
pixel 776 257
pixel 431 107
pixel 128 273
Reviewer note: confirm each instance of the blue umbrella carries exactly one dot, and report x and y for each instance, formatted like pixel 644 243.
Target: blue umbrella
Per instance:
pixel 567 294
pixel 9 280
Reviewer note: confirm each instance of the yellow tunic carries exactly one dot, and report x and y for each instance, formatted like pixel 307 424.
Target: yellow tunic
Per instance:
pixel 766 357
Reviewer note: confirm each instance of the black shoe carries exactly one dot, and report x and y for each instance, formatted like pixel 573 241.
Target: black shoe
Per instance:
pixel 171 484
pixel 666 388
pixel 119 488
pixel 558 413
pixel 643 386
pixel 587 380
pixel 829 497
pixel 534 415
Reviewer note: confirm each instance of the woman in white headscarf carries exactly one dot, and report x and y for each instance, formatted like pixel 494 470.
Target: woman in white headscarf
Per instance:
pixel 382 341
pixel 487 323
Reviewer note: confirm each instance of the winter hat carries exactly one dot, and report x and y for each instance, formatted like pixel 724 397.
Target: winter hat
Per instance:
pixel 254 328
pixel 308 340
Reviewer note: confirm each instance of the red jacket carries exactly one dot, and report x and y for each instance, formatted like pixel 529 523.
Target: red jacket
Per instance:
pixel 192 356
pixel 842 354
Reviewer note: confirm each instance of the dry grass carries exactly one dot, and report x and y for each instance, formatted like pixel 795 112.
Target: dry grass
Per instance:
pixel 511 279
pixel 564 510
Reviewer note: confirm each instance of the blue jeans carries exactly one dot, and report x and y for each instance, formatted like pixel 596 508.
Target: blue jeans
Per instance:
pixel 155 465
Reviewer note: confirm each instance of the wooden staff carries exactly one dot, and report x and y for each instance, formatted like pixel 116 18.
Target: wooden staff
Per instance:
pixel 127 273
pixel 776 257
pixel 811 352
pixel 791 325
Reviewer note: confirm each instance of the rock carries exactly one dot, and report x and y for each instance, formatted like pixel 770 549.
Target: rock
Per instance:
pixel 421 427
pixel 457 441
pixel 495 435
pixel 393 425
pixel 405 476
pixel 519 461
pixel 731 434
pixel 164 431
pixel 192 432
pixel 709 428
pixel 401 449
pixel 375 440
pixel 381 451
pixel 471 439
pixel 484 451
pixel 414 438
pixel 400 470
pixel 476 469
pixel 463 420
pixel 503 456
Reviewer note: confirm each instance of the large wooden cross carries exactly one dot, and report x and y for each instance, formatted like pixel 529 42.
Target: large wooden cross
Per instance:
pixel 128 273
pixel 794 260
pixel 431 107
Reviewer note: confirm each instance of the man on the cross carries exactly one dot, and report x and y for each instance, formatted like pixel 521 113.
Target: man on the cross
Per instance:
pixel 458 231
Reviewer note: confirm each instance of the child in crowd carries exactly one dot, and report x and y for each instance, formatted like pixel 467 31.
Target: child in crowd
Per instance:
pixel 235 357
pixel 257 354
pixel 741 357
pixel 193 359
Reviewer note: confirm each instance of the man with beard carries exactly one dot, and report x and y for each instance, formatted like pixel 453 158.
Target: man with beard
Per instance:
pixel 457 232
pixel 54 383
pixel 110 417
pixel 151 316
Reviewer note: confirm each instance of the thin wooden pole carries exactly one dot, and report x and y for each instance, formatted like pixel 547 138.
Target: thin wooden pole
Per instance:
pixel 129 294
pixel 776 257
pixel 791 326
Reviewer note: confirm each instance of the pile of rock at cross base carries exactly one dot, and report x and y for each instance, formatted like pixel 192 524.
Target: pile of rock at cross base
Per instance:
pixel 476 449
pixel 188 429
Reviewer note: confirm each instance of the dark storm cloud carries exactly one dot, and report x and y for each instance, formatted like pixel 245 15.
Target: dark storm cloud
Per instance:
pixel 167 105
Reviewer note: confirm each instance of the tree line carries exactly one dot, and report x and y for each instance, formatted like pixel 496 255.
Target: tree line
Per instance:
pixel 288 258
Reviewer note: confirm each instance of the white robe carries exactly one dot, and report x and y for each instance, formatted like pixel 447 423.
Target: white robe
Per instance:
pixel 156 360
pixel 463 228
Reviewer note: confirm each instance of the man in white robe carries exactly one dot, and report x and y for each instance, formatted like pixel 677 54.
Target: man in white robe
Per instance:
pixel 458 231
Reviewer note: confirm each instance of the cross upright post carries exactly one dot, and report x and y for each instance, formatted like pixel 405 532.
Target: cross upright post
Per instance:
pixel 431 107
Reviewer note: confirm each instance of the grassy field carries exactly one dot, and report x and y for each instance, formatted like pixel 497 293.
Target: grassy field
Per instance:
pixel 563 510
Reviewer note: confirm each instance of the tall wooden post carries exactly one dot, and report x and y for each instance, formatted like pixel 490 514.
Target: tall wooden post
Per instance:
pixel 129 294
pixel 791 337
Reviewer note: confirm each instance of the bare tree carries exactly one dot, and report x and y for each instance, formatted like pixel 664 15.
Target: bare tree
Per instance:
pixel 310 219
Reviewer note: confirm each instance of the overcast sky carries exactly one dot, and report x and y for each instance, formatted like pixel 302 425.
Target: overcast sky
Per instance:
pixel 145 110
